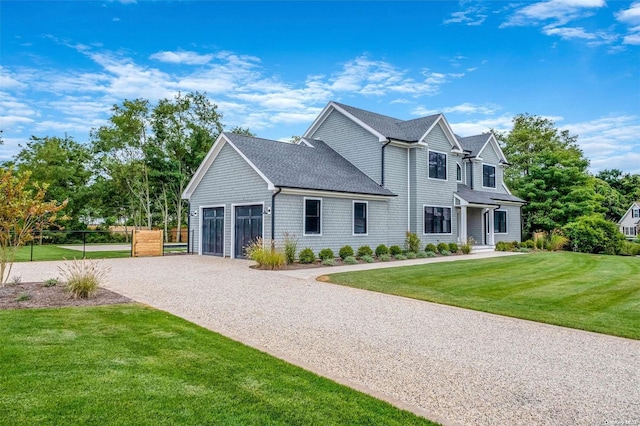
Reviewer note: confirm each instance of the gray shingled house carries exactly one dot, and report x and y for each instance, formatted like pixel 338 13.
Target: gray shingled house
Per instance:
pixel 355 177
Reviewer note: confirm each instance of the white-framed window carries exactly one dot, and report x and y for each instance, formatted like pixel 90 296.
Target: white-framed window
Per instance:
pixel 630 232
pixel 635 213
pixel 437 220
pixel 360 218
pixel 312 216
pixel 500 221
pixel 488 176
pixel 458 173
pixel 437 165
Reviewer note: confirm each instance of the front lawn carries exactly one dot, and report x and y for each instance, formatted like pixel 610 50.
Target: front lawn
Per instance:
pixel 128 364
pixel 590 292
pixel 51 252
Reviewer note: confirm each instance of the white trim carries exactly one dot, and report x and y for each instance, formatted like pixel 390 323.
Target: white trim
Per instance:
pixel 304 217
pixel 437 233
pixel 455 145
pixel 233 224
pixel 200 229
pixel 496 147
pixel 331 194
pixel 636 205
pixel 504 185
pixel 353 218
pixel 506 221
pixel 209 159
pixel 409 189
pixel 446 179
pixel 326 112
pixel 306 142
pixel 495 176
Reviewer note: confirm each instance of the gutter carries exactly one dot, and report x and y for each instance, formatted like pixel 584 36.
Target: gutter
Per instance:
pixel 273 215
pixel 382 171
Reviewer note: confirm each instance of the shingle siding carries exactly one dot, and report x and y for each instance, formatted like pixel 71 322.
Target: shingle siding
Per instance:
pixel 229 181
pixel 395 180
pixel 351 141
pixel 490 157
pixel 514 229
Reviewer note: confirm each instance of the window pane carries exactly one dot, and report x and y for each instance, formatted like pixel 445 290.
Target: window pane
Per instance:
pixel 500 222
pixel 458 172
pixel 488 176
pixel 437 220
pixel 312 217
pixel 360 218
pixel 437 165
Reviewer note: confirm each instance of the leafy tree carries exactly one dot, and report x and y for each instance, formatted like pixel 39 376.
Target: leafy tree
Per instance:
pixel 22 207
pixel 613 202
pixel 594 234
pixel 244 131
pixel 549 171
pixel 62 164
pixel 627 185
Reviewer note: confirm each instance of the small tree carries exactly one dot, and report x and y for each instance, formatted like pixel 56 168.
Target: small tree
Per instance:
pixel 21 210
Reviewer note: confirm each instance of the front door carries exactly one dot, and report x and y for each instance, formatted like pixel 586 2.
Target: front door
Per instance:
pixel 213 231
pixel 248 227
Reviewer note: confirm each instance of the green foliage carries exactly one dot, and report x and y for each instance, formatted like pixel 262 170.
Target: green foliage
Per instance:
pixel 384 257
pixel 367 258
pixel 16 280
pixel 364 251
pixel 466 248
pixel 326 254
pixel 307 256
pixel 629 248
pixel 400 257
pixel 51 282
pixel 430 254
pixel 556 242
pixel 350 260
pixel 431 247
pixel 411 255
pixel 381 249
pixel 412 242
pixel 290 247
pixel 421 254
pixel 395 250
pixel 504 246
pixel 345 251
pixel 266 255
pixel 594 234
pixel 453 247
pixel 622 189
pixel 442 247
pixel 23 296
pixel 329 262
pixel 445 253
pixel 530 244
pixel 83 277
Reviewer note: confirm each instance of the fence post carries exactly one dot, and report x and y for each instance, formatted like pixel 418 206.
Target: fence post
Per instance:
pixel 31 251
pixel 84 244
pixel 132 242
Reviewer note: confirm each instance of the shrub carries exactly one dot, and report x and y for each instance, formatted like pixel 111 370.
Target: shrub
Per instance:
pixel 539 240
pixel 329 262
pixel 368 258
pixel 83 277
pixel 412 242
pixel 629 248
pixel 421 254
pixel 445 253
pixel 557 242
pixel 443 247
pixel 345 252
pixel 326 254
pixel 384 257
pixel 466 247
pixel 306 256
pixel 51 282
pixel 515 244
pixel 364 251
pixel 530 244
pixel 594 234
pixel 16 280
pixel 430 254
pixel 381 249
pixel 524 250
pixel 411 255
pixel 504 246
pixel 290 247
pixel 350 260
pixel 453 247
pixel 266 257
pixel 23 296
pixel 400 257
pixel 431 247
pixel 395 250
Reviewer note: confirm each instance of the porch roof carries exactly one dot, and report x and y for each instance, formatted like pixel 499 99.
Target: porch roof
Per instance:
pixel 485 197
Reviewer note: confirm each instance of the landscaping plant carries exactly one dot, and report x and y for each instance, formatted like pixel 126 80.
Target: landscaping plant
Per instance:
pixel 326 254
pixel 442 247
pixel 395 250
pixel 594 234
pixel 350 260
pixel 412 242
pixel 329 262
pixel 367 258
pixel 411 255
pixel 345 252
pixel 381 249
pixel 290 247
pixel 453 247
pixel 83 277
pixel 307 256
pixel 431 247
pixel 364 251
pixel 266 255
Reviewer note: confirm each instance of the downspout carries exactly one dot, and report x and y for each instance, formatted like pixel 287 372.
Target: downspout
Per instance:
pixel 408 190
pixel 273 216
pixel 188 226
pixel 382 171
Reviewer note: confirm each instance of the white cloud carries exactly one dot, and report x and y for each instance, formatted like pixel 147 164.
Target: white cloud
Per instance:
pixel 473 16
pixel 502 123
pixel 569 33
pixel 558 11
pixel 182 57
pixel 631 16
pixel 14 115
pixel 465 108
pixel 8 81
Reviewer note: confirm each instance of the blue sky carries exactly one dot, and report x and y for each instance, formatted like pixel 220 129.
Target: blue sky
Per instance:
pixel 272 66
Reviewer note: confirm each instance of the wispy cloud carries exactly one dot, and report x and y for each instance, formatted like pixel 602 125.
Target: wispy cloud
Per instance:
pixel 559 12
pixel 182 57
pixel 465 108
pixel 631 17
pixel 472 15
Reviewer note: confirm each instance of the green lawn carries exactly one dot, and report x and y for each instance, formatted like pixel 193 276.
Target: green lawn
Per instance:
pixel 590 292
pixel 50 252
pixel 128 364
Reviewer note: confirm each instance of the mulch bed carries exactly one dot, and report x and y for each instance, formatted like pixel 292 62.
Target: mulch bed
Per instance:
pixel 52 297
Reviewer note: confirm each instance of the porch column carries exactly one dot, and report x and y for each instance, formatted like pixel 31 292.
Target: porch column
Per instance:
pixel 491 230
pixel 463 224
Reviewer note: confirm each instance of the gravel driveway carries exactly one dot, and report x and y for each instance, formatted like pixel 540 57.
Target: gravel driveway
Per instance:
pixel 452 365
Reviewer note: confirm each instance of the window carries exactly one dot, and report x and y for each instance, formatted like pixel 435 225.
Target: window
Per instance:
pixel 437 165
pixel 312 212
pixel 437 220
pixel 630 232
pixel 488 176
pixel 458 173
pixel 635 213
pixel 500 221
pixel 360 218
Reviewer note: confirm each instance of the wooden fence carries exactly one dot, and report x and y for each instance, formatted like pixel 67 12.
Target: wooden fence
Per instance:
pixel 147 243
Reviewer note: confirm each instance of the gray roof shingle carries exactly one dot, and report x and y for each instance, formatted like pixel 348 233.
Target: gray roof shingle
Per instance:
pixel 473 144
pixel 302 167
pixel 485 197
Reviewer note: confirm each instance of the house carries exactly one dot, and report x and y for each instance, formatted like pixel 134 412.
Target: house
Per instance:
pixel 630 223
pixel 355 177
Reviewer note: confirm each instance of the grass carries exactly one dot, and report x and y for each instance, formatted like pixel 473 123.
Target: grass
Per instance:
pixel 129 364
pixel 589 292
pixel 50 252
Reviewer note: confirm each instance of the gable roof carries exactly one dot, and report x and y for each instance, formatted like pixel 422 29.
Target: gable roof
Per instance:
pixel 485 197
pixel 634 205
pixel 385 127
pixel 476 144
pixel 311 165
